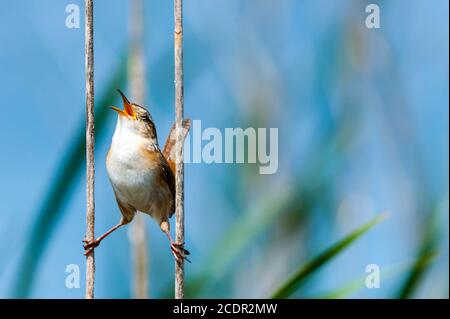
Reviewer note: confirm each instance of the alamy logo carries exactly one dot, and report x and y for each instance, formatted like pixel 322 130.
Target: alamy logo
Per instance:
pixel 235 145
pixel 73 19
pixel 373 17
pixel 73 277
pixel 373 277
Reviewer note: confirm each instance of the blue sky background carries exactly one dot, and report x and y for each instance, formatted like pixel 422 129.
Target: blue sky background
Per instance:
pixel 308 68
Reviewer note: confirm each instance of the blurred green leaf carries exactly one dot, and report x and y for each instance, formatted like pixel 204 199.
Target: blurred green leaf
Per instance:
pixel 354 285
pixel 426 253
pixel 60 188
pixel 238 237
pixel 299 277
pixel 344 290
pixel 416 272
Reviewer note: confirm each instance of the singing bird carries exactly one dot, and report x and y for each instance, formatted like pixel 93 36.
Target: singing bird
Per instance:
pixel 142 177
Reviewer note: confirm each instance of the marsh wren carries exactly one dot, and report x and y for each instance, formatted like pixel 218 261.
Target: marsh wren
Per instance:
pixel 142 177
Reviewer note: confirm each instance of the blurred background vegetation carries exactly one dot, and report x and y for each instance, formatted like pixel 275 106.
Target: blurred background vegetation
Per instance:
pixel 363 129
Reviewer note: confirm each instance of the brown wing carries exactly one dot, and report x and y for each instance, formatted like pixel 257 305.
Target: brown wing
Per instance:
pixel 169 177
pixel 169 149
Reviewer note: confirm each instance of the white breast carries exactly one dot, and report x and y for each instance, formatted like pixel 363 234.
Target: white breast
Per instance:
pixel 130 175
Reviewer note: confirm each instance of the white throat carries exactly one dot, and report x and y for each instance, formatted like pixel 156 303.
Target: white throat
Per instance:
pixel 127 137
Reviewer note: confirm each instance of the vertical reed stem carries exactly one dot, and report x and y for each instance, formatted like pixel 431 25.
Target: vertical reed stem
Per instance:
pixel 137 82
pixel 90 141
pixel 179 176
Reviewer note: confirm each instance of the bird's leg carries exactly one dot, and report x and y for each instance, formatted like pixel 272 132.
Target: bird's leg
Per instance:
pixel 89 245
pixel 178 250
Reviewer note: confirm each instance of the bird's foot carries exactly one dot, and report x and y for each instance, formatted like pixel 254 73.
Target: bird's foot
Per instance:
pixel 179 252
pixel 89 245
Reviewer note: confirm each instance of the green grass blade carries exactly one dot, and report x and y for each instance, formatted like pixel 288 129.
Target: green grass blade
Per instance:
pixel 343 291
pixel 416 273
pixel 425 255
pixel 298 278
pixel 355 285
pixel 64 180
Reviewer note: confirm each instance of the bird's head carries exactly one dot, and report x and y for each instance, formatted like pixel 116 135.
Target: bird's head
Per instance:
pixel 135 118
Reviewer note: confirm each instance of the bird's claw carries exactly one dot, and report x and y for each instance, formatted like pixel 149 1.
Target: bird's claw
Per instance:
pixel 179 252
pixel 89 245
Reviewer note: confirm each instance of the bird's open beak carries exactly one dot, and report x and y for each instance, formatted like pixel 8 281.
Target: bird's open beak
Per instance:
pixel 127 107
